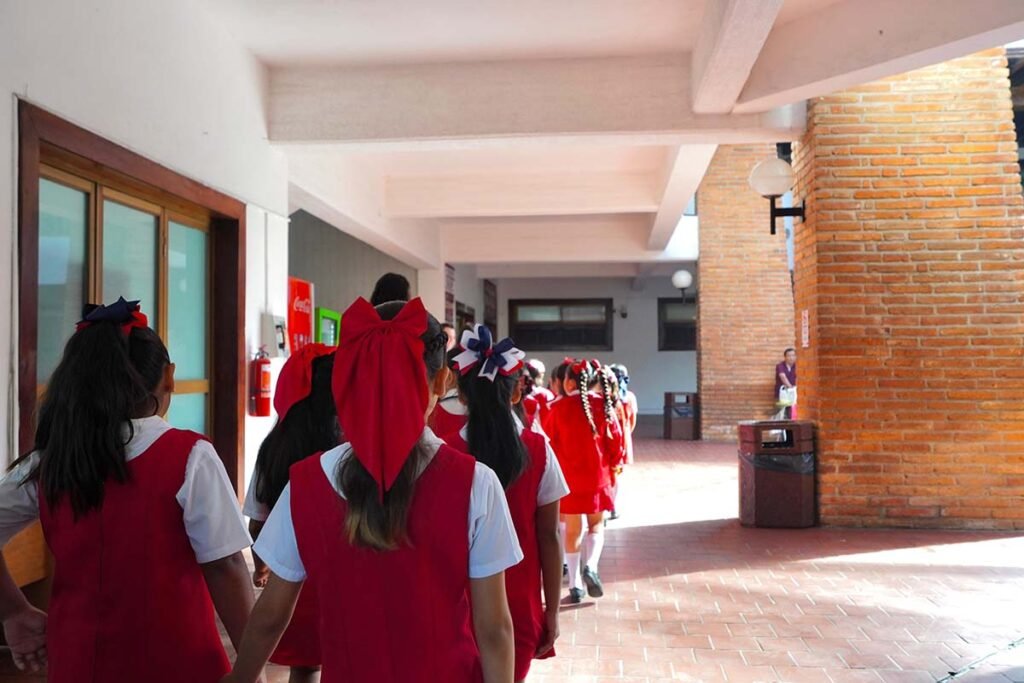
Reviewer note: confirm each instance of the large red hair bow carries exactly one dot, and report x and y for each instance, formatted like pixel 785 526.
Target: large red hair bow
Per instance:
pixel 296 379
pixel 380 386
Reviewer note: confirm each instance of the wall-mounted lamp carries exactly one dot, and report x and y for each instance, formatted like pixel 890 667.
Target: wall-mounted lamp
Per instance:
pixel 681 280
pixel 773 178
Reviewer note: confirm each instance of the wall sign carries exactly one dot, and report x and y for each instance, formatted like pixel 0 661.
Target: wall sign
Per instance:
pixel 300 313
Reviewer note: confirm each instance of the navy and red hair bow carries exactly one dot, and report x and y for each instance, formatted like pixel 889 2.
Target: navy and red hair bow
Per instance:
pixel 478 347
pixel 127 314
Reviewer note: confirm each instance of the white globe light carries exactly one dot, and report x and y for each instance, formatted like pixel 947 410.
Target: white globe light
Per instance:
pixel 681 279
pixel 772 178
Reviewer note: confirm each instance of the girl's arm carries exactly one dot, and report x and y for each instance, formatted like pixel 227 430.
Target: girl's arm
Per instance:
pixel 261 572
pixel 227 579
pixel 24 625
pixel 550 545
pixel 268 621
pixel 492 625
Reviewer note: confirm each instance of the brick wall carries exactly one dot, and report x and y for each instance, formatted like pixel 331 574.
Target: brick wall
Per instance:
pixel 746 295
pixel 911 263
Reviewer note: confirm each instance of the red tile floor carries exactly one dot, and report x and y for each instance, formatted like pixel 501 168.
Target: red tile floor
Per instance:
pixel 692 596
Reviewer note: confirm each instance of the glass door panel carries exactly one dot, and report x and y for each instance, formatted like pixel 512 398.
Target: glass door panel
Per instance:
pixel 130 256
pixel 63 275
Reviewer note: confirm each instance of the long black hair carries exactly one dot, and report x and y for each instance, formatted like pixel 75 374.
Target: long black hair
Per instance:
pixel 390 287
pixel 104 379
pixel 310 426
pixel 381 522
pixel 493 438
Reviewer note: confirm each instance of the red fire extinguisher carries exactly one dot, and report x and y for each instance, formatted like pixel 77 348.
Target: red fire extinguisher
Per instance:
pixel 260 384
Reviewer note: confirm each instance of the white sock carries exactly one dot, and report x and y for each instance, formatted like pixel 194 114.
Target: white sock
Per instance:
pixel 593 544
pixel 561 535
pixel 575 574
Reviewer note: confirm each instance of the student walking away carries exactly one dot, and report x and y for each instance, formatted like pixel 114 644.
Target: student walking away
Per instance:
pixel 532 478
pixel 536 397
pixel 390 287
pixel 307 424
pixel 611 392
pixel 141 519
pixel 587 438
pixel 785 385
pixel 394 528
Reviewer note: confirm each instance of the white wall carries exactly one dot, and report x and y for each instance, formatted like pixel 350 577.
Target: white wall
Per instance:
pixel 651 372
pixel 469 289
pixel 164 80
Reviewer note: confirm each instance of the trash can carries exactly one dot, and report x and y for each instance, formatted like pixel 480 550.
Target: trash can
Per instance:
pixel 777 471
pixel 682 416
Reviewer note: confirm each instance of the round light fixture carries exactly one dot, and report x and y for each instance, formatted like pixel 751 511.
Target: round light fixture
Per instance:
pixel 681 279
pixel 772 178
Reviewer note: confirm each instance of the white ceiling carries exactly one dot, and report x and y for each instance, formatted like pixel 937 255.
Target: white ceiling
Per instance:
pixel 423 126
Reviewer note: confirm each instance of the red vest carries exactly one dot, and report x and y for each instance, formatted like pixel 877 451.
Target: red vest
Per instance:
pixel 443 422
pixel 400 616
pixel 523 582
pixel 129 601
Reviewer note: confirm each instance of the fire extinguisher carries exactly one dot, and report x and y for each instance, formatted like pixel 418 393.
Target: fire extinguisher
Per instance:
pixel 260 384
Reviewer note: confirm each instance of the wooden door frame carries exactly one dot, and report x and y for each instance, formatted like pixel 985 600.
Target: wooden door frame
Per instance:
pixel 36 128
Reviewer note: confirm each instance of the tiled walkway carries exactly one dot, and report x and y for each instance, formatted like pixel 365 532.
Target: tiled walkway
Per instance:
pixel 692 596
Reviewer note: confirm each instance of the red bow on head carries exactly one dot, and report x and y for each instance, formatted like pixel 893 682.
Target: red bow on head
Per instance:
pixel 380 386
pixel 126 314
pixel 296 379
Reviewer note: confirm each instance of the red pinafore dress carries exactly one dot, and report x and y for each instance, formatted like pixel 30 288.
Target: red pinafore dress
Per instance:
pixel 400 616
pixel 442 421
pixel 524 582
pixel 129 600
pixel 587 459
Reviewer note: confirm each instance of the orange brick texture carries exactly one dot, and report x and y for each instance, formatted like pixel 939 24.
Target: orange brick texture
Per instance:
pixel 746 295
pixel 911 264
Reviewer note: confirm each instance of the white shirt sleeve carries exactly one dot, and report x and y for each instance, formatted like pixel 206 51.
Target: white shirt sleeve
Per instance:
pixel 252 508
pixel 19 504
pixel 277 545
pixel 212 519
pixel 552 482
pixel 493 543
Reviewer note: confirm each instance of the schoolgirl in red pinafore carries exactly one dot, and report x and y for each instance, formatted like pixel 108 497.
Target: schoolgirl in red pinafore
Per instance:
pixel 587 436
pixel 487 385
pixel 132 550
pixel 307 424
pixel 586 458
pixel 392 609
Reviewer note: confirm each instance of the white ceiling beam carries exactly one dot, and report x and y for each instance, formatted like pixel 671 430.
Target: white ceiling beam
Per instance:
pixel 684 169
pixel 519 194
pixel 731 37
pixel 498 271
pixel 558 239
pixel 859 41
pixel 641 100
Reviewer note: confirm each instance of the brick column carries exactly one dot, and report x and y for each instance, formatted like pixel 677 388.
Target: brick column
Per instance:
pixel 911 264
pixel 746 295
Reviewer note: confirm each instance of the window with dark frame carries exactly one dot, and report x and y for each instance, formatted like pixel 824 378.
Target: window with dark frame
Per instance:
pixel 561 324
pixel 677 324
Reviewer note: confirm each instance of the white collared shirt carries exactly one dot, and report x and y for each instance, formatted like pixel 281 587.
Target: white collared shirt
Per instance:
pixel 210 511
pixel 493 543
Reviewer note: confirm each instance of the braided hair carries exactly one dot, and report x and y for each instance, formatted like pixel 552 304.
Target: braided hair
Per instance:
pixel 609 390
pixel 584 373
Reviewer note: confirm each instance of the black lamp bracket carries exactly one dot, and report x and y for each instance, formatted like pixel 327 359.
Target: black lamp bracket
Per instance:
pixel 794 211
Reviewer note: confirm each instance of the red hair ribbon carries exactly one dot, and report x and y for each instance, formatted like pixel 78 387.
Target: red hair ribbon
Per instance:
pixel 127 314
pixel 380 386
pixel 296 379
